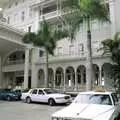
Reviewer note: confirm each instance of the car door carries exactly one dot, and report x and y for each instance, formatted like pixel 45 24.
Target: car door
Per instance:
pixel 41 96
pixel 34 95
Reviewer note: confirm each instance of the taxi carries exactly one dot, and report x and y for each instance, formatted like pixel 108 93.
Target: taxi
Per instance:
pixel 93 105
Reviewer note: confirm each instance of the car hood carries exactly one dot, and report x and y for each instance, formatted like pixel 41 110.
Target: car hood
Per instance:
pixel 85 111
pixel 55 95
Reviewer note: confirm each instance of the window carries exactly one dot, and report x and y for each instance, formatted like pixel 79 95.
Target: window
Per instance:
pixel 16 2
pixel 15 17
pixel 80 48
pixel 34 91
pixel 30 12
pixel 59 51
pixel 50 9
pixel 23 16
pixel 41 53
pixel 29 29
pixel 71 49
pixel 40 92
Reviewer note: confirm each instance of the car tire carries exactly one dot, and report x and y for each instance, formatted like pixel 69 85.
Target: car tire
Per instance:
pixel 51 102
pixel 28 100
pixel 8 98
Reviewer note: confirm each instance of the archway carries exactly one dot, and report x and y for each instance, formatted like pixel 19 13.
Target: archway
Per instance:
pixel 106 75
pixel 81 75
pixel 16 57
pixel 70 76
pixel 96 75
pixel 50 77
pixel 59 77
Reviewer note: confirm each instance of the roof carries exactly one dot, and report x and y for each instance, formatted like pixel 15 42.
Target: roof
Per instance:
pixel 93 92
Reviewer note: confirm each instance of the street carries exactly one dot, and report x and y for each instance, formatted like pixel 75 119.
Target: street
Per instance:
pixel 22 111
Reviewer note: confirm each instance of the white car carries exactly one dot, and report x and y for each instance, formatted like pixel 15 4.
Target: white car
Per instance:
pixel 91 106
pixel 45 95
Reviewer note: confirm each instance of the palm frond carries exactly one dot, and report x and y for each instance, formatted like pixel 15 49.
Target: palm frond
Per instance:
pixel 117 36
pixel 29 37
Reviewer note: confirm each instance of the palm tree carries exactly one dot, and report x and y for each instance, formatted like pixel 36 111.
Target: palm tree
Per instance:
pixel 112 48
pixel 46 37
pixel 84 11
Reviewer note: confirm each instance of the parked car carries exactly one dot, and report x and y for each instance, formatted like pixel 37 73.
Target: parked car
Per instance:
pixel 91 106
pixel 7 94
pixel 45 95
pixel 18 92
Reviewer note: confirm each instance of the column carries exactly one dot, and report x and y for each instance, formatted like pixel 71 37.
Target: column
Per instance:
pixel 64 88
pixel 1 74
pixel 112 17
pixel 26 68
pixel 100 76
pixel 54 78
pixel 76 79
pixel 37 17
pixel 34 70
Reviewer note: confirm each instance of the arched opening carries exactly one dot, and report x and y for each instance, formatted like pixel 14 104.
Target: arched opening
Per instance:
pixel 96 74
pixel 16 57
pixel 59 77
pixel 50 77
pixel 70 76
pixel 106 75
pixel 41 78
pixel 81 75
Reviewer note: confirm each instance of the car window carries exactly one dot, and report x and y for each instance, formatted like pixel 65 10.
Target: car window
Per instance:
pixel 40 92
pixel 93 99
pixel 49 91
pixel 34 91
pixel 114 97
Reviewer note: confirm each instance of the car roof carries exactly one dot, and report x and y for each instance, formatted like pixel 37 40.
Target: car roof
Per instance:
pixel 94 92
pixel 40 88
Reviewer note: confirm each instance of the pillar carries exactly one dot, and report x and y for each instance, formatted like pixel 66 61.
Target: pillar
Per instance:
pixel 34 70
pixel 76 80
pixel 112 17
pixel 37 17
pixel 26 68
pixel 1 74
pixel 100 76
pixel 54 79
pixel 64 88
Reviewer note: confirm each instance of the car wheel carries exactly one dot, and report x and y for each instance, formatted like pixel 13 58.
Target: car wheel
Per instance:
pixel 8 98
pixel 28 100
pixel 51 102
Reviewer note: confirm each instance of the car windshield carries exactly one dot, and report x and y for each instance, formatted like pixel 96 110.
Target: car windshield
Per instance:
pixel 93 99
pixel 49 91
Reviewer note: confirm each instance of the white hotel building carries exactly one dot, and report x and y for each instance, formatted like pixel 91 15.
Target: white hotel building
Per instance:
pixel 24 65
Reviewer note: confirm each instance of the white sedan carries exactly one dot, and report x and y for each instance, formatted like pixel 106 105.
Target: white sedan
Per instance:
pixel 91 106
pixel 45 95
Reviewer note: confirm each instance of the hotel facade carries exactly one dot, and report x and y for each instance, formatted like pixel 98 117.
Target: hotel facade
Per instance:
pixel 25 65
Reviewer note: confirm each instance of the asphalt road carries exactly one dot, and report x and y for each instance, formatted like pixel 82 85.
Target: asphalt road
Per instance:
pixel 23 111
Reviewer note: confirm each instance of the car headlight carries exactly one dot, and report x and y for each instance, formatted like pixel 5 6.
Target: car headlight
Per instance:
pixel 59 98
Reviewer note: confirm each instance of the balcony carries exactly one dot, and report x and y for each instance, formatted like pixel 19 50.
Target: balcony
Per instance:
pixel 14 62
pixel 50 15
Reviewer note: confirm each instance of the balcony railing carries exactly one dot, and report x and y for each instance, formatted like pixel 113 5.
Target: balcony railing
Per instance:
pixel 14 62
pixel 50 15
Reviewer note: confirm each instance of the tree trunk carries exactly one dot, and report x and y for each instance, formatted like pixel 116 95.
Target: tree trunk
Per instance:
pixel 89 69
pixel 46 75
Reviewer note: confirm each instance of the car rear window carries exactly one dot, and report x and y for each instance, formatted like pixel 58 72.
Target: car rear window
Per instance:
pixel 25 90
